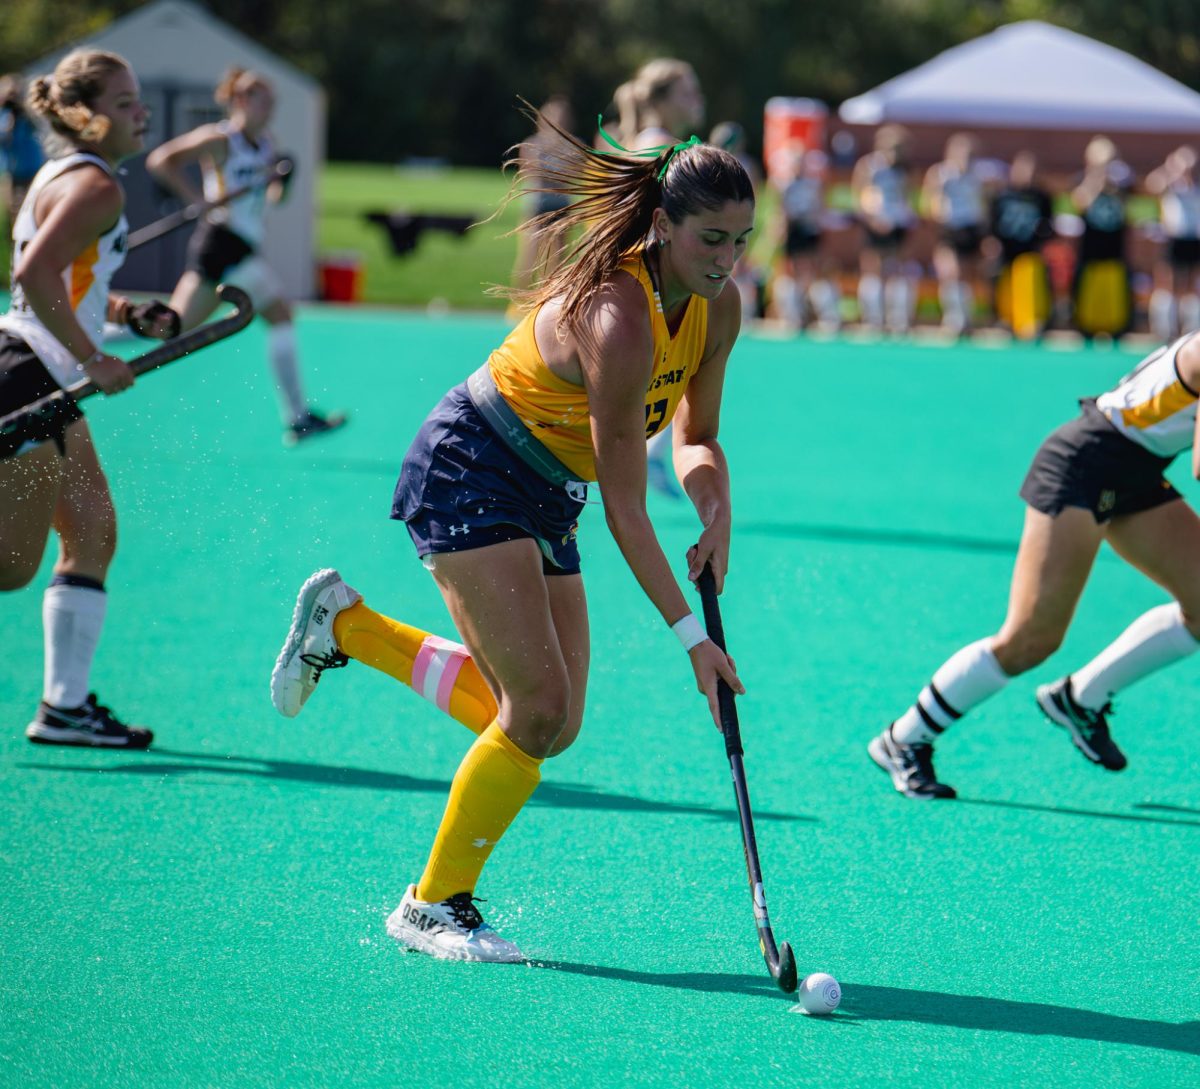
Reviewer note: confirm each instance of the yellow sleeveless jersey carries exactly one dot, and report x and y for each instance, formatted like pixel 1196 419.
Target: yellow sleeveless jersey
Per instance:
pixel 556 411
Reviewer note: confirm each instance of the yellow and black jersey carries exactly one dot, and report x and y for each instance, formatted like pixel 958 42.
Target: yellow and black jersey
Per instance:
pixel 556 411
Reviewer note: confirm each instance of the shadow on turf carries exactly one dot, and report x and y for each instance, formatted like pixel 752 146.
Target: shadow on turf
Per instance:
pixel 1067 811
pixel 558 796
pixel 707 982
pixel 866 1002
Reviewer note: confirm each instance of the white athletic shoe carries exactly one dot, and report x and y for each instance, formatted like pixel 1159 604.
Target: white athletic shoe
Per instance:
pixel 309 648
pixel 450 930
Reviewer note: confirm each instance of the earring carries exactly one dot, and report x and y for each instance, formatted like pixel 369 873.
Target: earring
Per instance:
pixel 661 243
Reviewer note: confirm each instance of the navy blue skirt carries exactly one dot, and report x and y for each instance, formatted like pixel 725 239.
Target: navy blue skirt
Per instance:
pixel 461 487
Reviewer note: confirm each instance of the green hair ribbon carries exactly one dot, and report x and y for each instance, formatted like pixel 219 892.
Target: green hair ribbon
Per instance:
pixel 645 153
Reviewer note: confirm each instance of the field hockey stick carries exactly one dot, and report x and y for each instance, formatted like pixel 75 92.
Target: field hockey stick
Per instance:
pixel 168 352
pixel 280 171
pixel 780 961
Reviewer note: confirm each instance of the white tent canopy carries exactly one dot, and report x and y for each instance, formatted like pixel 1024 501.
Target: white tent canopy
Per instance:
pixel 1032 75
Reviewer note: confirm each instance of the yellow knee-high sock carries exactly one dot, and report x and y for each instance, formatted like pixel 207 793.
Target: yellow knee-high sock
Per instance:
pixel 493 782
pixel 435 668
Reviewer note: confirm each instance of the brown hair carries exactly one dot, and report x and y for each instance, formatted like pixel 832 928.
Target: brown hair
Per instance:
pixel 650 83
pixel 237 81
pixel 63 100
pixel 616 196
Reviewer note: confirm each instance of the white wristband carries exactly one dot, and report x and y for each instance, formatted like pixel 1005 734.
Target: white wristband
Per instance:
pixel 689 631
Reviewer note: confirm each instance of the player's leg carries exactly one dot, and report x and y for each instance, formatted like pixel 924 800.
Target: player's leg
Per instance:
pixel 870 284
pixel 74 607
pixel 331 625
pixel 1163 543
pixel 29 483
pixel 300 420
pixel 193 299
pixel 1054 560
pixel 530 633
pixel 947 266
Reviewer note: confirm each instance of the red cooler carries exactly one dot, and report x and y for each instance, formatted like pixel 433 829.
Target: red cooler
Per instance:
pixel 789 122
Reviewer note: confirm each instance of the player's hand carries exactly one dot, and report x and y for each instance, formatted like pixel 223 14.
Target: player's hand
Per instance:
pixel 109 373
pixel 711 664
pixel 154 319
pixel 712 548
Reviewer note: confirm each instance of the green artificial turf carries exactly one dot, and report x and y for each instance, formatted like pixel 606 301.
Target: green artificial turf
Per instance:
pixel 211 912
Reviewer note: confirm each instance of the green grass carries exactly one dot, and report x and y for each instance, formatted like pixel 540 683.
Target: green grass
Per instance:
pixel 443 266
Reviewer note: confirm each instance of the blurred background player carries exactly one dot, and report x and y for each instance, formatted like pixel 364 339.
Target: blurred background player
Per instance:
pixel 224 248
pixel 539 253
pixel 1103 294
pixel 69 239
pixel 880 185
pixel 1174 304
pixel 749 277
pixel 954 197
pixel 661 104
pixel 800 289
pixel 20 150
pixel 1098 478
pixel 1021 222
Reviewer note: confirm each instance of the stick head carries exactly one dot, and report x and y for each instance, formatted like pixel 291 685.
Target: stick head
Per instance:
pixel 785 973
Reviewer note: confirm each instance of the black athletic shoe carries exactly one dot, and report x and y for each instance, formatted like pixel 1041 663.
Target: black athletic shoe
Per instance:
pixel 910 766
pixel 312 423
pixel 90 725
pixel 1088 728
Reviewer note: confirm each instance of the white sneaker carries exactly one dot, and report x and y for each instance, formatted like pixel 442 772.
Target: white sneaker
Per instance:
pixel 450 930
pixel 310 648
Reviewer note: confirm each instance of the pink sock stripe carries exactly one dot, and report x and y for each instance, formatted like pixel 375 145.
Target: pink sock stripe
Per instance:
pixel 454 663
pixel 436 668
pixel 421 666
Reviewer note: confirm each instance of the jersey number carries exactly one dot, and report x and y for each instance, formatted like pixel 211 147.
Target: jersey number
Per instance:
pixel 655 414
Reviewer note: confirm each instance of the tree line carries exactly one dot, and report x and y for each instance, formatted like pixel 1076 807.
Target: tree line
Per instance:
pixel 440 77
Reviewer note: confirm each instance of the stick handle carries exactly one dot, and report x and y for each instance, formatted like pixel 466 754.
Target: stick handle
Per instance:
pixel 732 732
pixel 192 212
pixel 165 353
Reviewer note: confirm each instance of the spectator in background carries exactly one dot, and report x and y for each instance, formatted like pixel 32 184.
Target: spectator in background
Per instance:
pixel 540 253
pixel 881 195
pixel 799 290
pixel 954 198
pixel 750 278
pixel 21 155
pixel 1020 225
pixel 1103 295
pixel 1174 304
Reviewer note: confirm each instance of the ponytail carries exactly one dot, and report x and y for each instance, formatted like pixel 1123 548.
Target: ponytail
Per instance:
pixel 63 101
pixel 615 197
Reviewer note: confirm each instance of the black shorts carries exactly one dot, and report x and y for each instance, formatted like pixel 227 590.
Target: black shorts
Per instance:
pixel 800 239
pixel 962 240
pixel 888 240
pixel 213 250
pixel 1184 252
pixel 461 487
pixel 23 380
pixel 1088 463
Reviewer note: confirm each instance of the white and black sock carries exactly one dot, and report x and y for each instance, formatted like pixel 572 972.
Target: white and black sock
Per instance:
pixel 1155 639
pixel 281 347
pixel 965 680
pixel 73 608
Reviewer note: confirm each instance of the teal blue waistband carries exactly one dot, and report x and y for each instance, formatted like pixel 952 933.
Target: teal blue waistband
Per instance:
pixel 516 436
